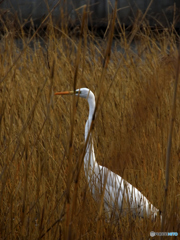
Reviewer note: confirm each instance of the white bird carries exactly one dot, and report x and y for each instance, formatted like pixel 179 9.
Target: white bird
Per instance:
pixel 119 195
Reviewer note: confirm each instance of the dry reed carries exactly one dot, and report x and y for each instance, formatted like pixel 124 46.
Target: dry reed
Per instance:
pixel 42 137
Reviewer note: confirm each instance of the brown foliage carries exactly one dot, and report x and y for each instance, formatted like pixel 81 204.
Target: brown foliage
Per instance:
pixel 130 135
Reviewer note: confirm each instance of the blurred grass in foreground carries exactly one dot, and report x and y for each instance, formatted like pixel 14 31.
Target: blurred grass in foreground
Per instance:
pixel 130 134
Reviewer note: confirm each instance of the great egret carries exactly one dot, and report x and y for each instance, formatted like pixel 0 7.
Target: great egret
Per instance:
pixel 119 195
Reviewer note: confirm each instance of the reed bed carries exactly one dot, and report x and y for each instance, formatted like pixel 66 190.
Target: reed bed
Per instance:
pixel 39 197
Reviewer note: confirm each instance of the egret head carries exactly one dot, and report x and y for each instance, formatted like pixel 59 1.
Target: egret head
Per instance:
pixel 81 92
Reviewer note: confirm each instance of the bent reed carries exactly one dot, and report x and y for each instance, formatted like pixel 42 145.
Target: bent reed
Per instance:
pixel 42 137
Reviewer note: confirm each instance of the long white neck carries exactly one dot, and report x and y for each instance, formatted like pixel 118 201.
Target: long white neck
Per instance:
pixel 89 158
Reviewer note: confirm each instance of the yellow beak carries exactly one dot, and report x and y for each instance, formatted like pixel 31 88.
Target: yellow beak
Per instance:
pixel 64 93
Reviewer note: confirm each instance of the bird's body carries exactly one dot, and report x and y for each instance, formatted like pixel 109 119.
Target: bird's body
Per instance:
pixel 119 195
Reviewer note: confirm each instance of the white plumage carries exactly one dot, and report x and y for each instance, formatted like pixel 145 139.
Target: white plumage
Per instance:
pixel 119 195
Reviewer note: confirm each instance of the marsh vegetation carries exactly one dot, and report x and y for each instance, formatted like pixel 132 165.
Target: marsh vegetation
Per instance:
pixel 39 197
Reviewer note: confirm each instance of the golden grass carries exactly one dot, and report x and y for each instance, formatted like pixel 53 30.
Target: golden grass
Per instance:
pixel 37 197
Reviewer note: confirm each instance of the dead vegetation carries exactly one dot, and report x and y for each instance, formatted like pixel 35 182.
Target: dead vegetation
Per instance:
pixel 37 197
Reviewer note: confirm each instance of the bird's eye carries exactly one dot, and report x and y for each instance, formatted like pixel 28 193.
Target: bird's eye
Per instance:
pixel 78 92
